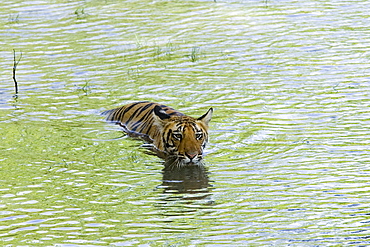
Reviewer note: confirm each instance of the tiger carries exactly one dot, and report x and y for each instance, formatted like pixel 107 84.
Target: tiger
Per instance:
pixel 177 138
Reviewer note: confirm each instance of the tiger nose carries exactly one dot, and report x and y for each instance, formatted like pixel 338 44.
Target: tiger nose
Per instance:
pixel 191 155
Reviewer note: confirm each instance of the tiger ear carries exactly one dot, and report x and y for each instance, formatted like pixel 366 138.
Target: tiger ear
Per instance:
pixel 206 118
pixel 160 113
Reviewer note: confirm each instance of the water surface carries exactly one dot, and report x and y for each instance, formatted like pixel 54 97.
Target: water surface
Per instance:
pixel 287 163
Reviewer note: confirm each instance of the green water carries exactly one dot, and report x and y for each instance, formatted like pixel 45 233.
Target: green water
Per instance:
pixel 288 159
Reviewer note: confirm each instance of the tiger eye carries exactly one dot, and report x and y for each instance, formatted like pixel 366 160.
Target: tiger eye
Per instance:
pixel 177 136
pixel 199 136
pixel 162 127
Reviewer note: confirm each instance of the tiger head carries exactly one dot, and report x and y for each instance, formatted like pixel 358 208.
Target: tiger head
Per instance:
pixel 182 138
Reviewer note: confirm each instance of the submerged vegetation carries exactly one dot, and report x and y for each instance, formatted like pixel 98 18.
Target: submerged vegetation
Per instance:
pixel 86 88
pixel 194 54
pixel 13 19
pixel 156 51
pixel 289 149
pixel 80 13
pixel 15 64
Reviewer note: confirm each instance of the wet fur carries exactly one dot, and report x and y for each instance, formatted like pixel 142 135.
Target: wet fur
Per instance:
pixel 175 137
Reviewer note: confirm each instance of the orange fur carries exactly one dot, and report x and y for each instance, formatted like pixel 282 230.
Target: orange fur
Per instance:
pixel 177 136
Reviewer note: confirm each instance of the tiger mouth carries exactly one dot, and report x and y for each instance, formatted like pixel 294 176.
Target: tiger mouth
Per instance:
pixel 178 161
pixel 175 160
pixel 191 160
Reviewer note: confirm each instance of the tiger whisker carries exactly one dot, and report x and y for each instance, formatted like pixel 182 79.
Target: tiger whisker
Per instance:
pixel 169 134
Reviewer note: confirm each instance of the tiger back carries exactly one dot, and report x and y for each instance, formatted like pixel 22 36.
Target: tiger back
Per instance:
pixel 177 137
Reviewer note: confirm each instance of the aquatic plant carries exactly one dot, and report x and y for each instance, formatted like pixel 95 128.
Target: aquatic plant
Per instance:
pixel 13 19
pixel 194 56
pixel 15 64
pixel 80 13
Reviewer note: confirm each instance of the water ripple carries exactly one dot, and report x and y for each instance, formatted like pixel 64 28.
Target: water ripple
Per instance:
pixel 288 153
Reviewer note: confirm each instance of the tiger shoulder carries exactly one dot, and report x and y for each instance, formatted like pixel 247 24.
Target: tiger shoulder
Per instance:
pixel 179 137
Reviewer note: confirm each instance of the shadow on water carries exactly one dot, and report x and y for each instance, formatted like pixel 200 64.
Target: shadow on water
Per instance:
pixel 190 179
pixel 185 191
pixel 186 180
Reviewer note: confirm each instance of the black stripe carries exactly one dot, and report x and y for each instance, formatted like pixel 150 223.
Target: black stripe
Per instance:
pixel 142 119
pixel 143 124
pixel 142 127
pixel 196 128
pixel 176 113
pixel 137 112
pixel 166 142
pixel 180 127
pixel 138 124
pixel 117 114
pixel 147 106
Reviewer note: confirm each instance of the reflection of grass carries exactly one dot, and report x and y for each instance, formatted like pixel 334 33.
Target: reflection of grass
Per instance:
pixel 166 52
pixel 138 42
pixel 13 19
pixel 80 13
pixel 133 72
pixel 170 49
pixel 157 52
pixel 194 56
pixel 85 88
pixel 141 53
pixel 152 51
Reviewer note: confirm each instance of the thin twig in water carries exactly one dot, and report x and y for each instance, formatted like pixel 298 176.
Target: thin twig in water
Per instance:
pixel 14 69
